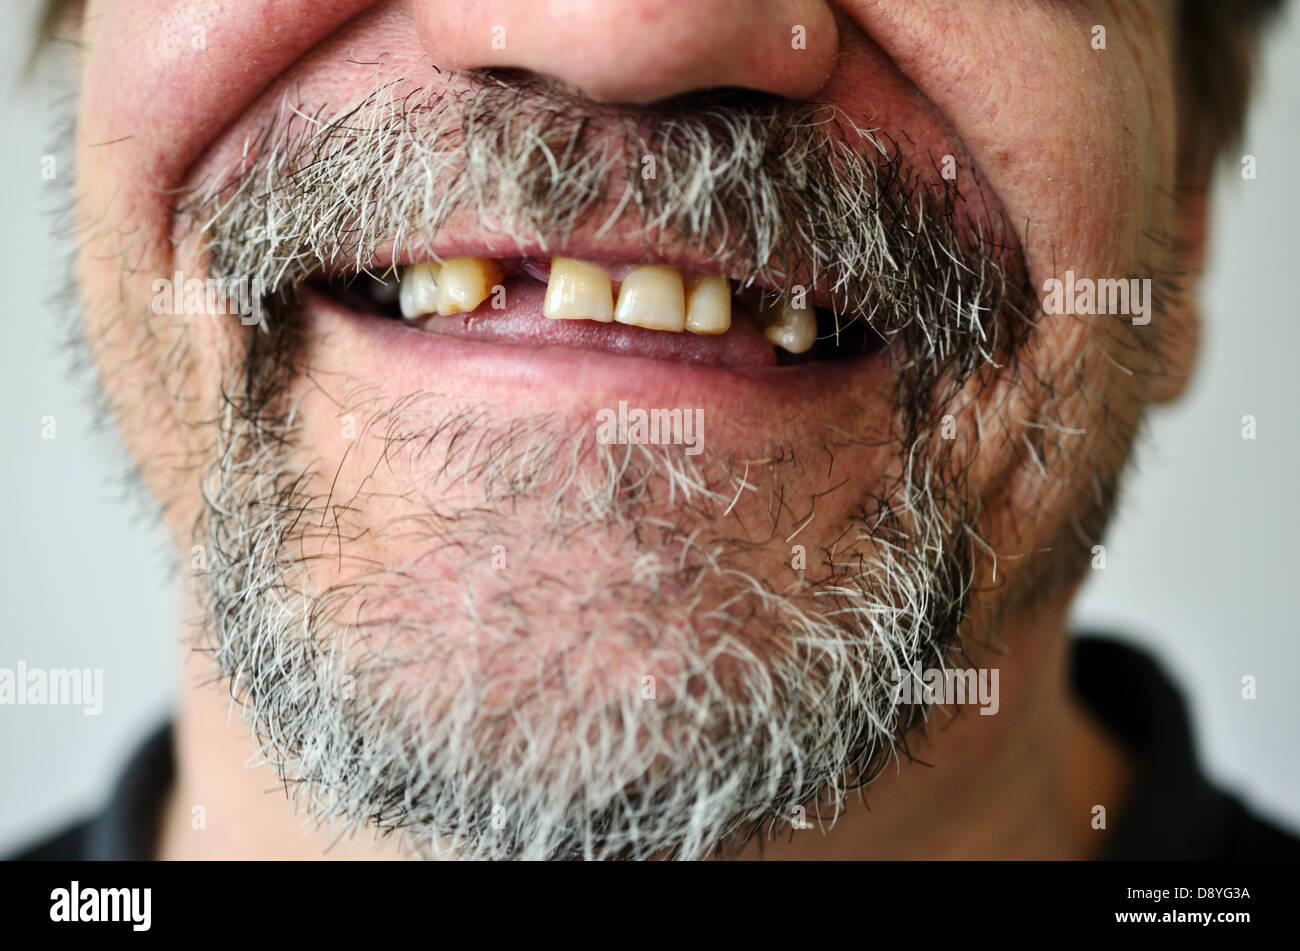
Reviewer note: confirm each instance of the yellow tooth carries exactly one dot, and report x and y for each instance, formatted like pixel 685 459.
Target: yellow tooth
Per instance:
pixel 464 283
pixel 708 305
pixel 418 294
pixel 653 297
pixel 790 328
pixel 578 291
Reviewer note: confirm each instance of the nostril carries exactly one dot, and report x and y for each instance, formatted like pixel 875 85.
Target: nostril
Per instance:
pixel 618 51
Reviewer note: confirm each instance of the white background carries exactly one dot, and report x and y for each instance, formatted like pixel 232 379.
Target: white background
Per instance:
pixel 1201 561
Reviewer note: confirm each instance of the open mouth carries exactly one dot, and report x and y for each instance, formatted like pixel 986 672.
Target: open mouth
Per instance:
pixel 646 310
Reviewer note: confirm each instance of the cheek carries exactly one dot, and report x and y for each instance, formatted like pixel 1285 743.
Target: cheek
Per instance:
pixel 1077 141
pixel 161 374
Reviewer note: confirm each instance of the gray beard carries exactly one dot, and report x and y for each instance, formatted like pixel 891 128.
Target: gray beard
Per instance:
pixel 466 736
pixel 432 709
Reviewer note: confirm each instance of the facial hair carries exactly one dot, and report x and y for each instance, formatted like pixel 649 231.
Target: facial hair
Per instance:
pixel 696 698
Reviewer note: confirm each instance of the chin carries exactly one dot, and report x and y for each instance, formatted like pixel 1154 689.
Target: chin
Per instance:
pixel 479 627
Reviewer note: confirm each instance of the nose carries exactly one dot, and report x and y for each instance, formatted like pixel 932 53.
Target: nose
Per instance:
pixel 639 51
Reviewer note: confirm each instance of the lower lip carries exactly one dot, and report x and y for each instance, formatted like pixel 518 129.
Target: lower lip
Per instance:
pixel 537 375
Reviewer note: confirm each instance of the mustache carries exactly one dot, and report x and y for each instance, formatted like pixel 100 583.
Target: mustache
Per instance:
pixel 780 194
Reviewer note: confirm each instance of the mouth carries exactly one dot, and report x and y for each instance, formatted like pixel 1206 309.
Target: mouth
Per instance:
pixel 640 309
pixel 252 141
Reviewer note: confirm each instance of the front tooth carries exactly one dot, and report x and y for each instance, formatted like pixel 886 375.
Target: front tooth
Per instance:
pixel 653 297
pixel 464 283
pixel 708 305
pixel 578 291
pixel 790 328
pixel 419 290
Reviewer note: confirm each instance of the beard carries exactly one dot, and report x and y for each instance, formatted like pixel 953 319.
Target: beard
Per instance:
pixel 679 694
pixel 522 642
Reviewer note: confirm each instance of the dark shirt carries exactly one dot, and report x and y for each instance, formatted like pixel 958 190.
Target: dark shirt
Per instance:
pixel 1172 812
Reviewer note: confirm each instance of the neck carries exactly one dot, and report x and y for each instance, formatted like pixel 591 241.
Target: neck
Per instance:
pixel 1018 784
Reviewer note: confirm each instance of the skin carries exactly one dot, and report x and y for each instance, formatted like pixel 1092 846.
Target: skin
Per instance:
pixel 1076 144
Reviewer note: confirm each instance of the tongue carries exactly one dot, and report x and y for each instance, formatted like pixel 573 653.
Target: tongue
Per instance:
pixel 522 323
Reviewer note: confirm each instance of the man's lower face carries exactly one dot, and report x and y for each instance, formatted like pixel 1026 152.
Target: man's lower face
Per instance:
pixel 512 578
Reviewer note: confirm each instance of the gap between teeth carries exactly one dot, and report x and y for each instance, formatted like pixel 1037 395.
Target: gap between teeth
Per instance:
pixel 654 296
